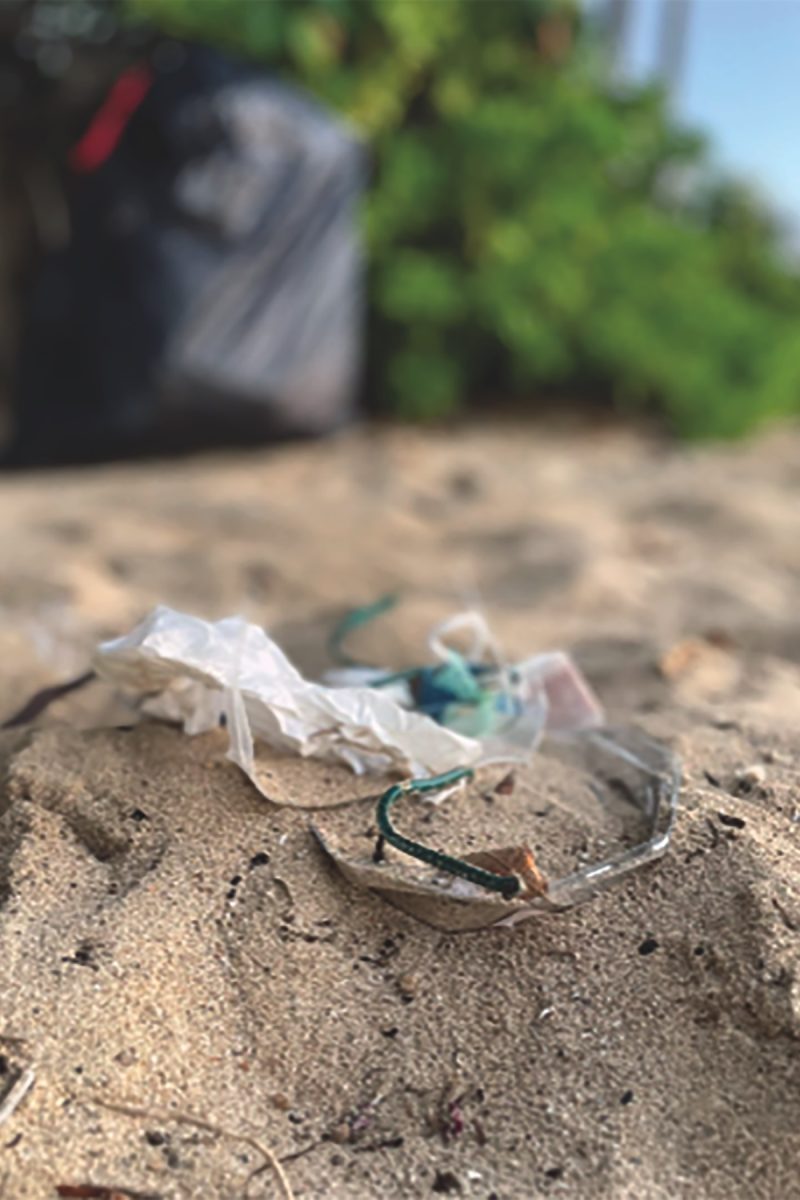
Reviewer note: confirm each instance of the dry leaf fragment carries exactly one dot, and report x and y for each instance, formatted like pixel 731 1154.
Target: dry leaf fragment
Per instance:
pixel 513 860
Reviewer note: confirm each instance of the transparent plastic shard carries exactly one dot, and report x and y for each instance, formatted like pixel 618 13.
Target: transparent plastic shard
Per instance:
pixel 598 804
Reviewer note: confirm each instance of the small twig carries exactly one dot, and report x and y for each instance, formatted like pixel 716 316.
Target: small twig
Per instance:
pixel 166 1114
pixel 17 1094
pixel 389 1143
pixel 788 921
pixel 286 1158
pixel 263 966
pixel 99 1191
pixel 349 801
pixel 712 829
pixel 44 698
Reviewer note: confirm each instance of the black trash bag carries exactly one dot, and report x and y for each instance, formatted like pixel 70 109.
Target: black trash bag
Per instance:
pixel 211 290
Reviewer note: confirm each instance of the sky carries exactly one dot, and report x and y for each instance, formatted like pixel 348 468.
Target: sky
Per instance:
pixel 741 85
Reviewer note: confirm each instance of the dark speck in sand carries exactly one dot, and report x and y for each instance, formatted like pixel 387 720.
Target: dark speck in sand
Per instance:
pixel 446 1182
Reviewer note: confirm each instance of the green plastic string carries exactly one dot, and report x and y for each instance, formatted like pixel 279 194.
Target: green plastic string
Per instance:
pixel 352 621
pixel 449 692
pixel 507 885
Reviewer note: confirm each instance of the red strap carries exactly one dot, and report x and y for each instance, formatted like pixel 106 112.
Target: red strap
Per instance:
pixel 108 123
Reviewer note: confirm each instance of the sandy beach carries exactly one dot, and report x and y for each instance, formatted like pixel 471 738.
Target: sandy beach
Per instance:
pixel 188 987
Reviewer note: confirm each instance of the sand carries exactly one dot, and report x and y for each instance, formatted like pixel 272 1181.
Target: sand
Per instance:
pixel 174 945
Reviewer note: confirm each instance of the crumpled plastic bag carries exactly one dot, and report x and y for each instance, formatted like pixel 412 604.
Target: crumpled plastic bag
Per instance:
pixel 201 671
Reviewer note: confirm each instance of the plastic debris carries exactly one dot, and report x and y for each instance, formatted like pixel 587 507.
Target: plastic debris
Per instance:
pixel 604 800
pixel 434 898
pixel 16 1093
pixel 475 692
pixel 615 791
pixel 464 711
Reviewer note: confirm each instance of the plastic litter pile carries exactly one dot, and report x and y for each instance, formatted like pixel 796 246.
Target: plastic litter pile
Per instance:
pixel 464 710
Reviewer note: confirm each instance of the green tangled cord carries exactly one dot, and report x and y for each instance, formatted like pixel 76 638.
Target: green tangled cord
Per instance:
pixel 507 885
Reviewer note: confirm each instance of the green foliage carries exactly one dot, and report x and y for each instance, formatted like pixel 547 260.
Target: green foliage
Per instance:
pixel 529 229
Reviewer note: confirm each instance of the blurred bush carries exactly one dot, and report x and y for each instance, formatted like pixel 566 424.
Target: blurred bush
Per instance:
pixel 532 229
